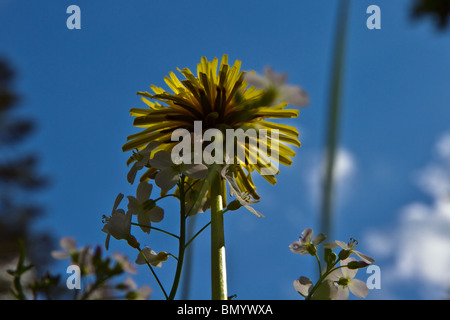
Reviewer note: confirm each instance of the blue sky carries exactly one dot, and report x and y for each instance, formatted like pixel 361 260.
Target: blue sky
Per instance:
pixel 394 164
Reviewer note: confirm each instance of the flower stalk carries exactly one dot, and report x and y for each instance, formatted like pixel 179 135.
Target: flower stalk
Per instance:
pixel 182 241
pixel 218 262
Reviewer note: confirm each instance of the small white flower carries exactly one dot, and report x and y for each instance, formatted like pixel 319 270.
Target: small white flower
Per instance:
pixel 170 172
pixel 350 248
pixel 142 160
pixel 304 244
pixel 119 224
pixel 345 280
pixel 69 245
pixel 293 95
pixel 126 264
pixel 136 207
pixel 242 197
pixel 303 286
pixel 150 256
pixel 81 256
pixel 143 293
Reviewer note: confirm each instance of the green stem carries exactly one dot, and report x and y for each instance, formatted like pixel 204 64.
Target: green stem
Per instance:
pixel 154 228
pixel 182 240
pixel 322 277
pixel 218 264
pixel 165 196
pixel 200 231
pixel 318 262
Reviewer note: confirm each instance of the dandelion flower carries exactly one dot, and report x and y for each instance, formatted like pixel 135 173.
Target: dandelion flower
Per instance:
pixel 220 98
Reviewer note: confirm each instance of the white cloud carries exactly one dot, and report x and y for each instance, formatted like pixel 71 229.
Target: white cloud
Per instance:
pixel 443 146
pixel 419 246
pixel 344 170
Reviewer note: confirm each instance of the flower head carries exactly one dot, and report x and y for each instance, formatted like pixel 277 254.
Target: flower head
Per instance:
pixel 218 97
pixel 348 249
pixel 242 198
pixel 145 213
pixel 69 246
pixel 142 158
pixel 150 256
pixel 126 264
pixel 303 286
pixel 135 293
pixel 79 256
pixel 119 224
pixel 170 172
pixel 306 244
pixel 293 95
pixel 344 279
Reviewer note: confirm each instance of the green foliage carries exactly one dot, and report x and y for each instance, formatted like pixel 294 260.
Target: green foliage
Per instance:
pixel 101 278
pixel 438 10
pixel 19 179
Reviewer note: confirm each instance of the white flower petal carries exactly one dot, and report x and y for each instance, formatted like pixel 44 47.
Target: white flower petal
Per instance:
pixel 143 219
pixel 274 78
pixel 68 243
pixel 161 160
pixel 148 253
pixel 252 210
pixel 348 273
pixel 294 95
pixel 127 265
pixel 256 80
pixel 330 245
pixel 130 284
pixel 342 244
pixel 149 148
pixel 307 235
pixel 60 254
pixel 195 171
pixel 298 247
pixel 133 205
pixel 156 214
pixel 166 179
pixel 319 238
pixel 144 293
pixel 143 191
pixel 341 293
pixel 303 285
pixel 364 257
pixel 358 288
pixel 108 237
pixel 152 257
pixel 119 225
pixel 335 275
pixel 132 173
pixel 117 201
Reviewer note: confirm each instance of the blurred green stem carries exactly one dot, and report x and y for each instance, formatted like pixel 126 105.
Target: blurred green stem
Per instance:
pixel 332 136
